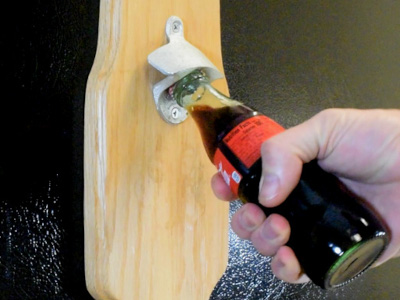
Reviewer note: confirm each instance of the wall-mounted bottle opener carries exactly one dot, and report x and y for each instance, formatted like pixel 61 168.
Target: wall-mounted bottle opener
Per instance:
pixel 175 60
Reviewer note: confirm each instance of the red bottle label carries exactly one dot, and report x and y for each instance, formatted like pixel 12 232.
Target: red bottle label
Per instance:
pixel 245 141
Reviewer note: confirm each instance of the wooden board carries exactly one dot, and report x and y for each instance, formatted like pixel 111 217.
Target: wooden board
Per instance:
pixel 153 229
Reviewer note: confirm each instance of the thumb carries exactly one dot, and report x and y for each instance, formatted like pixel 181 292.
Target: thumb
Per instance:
pixel 283 157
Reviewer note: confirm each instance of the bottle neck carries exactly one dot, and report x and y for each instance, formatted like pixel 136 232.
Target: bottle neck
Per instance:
pixel 195 89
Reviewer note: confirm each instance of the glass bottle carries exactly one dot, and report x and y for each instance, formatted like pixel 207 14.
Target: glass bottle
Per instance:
pixel 335 235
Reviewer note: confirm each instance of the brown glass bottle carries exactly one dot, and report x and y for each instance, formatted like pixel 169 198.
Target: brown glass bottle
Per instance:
pixel 334 234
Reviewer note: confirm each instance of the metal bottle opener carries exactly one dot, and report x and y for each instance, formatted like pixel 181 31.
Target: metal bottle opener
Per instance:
pixel 175 60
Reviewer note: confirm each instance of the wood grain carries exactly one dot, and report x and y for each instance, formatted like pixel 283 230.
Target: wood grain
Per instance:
pixel 153 229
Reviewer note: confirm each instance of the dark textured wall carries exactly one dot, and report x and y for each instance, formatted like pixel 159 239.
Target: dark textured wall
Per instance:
pixel 48 49
pixel 286 58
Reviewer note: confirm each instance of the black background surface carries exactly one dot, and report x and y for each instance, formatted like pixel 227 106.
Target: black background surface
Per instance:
pixel 286 58
pixel 48 49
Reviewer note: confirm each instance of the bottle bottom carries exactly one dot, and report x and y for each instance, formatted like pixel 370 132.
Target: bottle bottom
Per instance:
pixel 354 262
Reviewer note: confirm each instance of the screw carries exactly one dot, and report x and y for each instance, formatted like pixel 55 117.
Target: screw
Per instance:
pixel 176 26
pixel 175 113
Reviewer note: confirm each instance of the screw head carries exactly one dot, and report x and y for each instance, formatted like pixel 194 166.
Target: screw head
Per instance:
pixel 176 26
pixel 175 113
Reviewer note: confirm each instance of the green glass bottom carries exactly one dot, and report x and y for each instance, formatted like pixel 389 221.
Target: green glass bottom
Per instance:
pixel 354 261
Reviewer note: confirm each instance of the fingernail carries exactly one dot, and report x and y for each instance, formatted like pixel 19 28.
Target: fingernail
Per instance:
pixel 279 264
pixel 281 269
pixel 246 221
pixel 269 185
pixel 268 232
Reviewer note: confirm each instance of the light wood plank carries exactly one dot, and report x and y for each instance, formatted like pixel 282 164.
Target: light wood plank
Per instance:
pixel 153 229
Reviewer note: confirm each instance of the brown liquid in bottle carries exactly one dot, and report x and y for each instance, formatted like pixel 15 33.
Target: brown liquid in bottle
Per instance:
pixel 215 123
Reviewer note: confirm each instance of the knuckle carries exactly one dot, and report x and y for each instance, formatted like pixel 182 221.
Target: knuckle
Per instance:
pixel 328 113
pixel 264 245
pixel 239 231
pixel 265 248
pixel 268 146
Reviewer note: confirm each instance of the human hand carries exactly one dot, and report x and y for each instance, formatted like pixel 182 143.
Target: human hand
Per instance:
pixel 361 147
